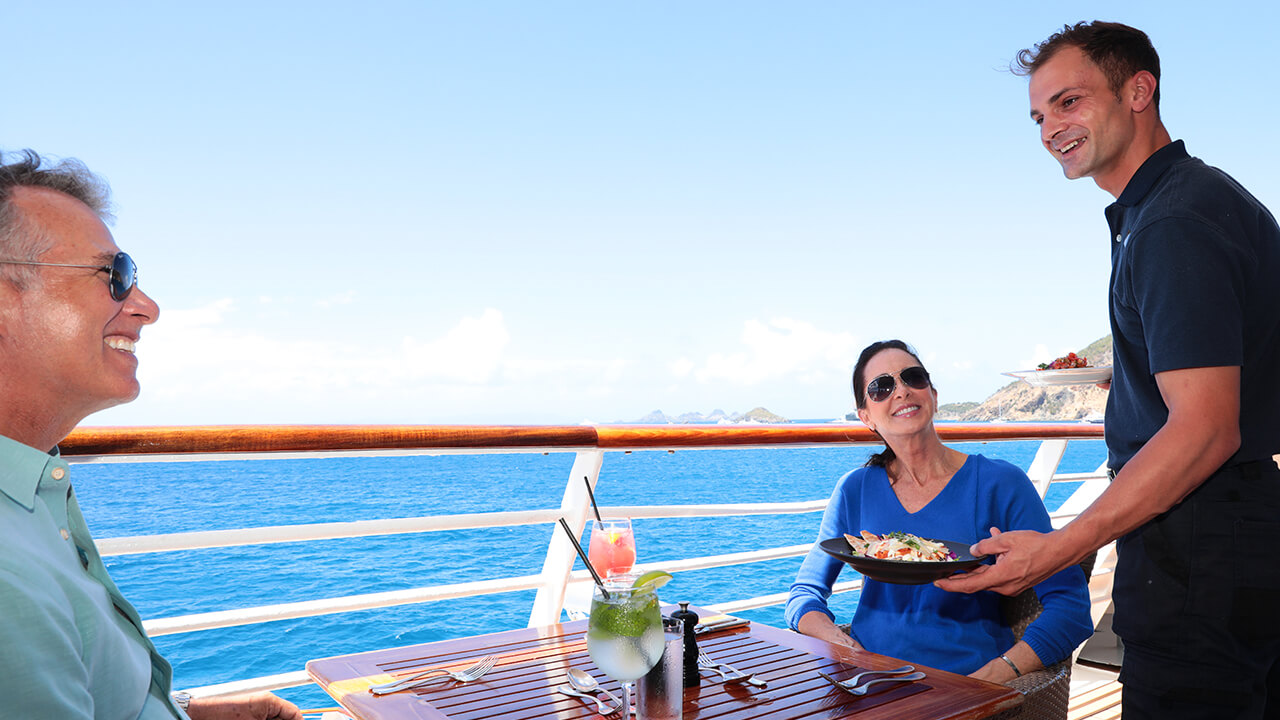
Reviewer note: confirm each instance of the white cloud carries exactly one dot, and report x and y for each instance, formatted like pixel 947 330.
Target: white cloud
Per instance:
pixel 222 363
pixel 471 352
pixel 681 367
pixel 255 362
pixel 177 321
pixel 1039 355
pixel 615 370
pixel 205 351
pixel 782 348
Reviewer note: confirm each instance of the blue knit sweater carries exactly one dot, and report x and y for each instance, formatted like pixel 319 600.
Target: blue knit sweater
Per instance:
pixel 921 623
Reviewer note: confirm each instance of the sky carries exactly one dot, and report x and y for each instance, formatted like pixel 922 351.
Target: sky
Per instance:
pixel 562 212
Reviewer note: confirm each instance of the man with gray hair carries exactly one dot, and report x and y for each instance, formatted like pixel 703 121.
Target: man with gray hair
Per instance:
pixel 70 315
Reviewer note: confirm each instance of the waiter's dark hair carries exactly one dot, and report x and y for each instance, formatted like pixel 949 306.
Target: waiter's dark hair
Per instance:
pixel 1118 50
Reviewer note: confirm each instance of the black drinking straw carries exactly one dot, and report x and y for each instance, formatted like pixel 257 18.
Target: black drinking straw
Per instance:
pixel 594 575
pixel 592 495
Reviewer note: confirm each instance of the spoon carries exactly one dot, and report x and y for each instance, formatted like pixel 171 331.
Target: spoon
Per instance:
pixel 583 681
pixel 601 708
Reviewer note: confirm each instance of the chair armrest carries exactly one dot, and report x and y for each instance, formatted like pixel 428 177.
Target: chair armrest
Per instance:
pixel 1045 694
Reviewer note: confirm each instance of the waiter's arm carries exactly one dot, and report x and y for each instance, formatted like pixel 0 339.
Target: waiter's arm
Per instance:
pixel 1201 433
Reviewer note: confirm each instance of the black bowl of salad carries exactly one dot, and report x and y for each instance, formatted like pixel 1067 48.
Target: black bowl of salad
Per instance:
pixel 901 558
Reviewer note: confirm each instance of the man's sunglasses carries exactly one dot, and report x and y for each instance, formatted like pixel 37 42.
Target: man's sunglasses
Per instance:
pixel 882 387
pixel 122 271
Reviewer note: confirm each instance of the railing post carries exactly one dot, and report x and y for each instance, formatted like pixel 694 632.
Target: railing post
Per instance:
pixel 549 601
pixel 1045 464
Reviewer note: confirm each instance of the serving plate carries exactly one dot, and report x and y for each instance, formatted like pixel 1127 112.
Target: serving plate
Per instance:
pixel 902 572
pixel 1065 376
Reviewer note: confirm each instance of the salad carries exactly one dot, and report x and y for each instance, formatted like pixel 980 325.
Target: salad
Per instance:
pixel 898 546
pixel 1070 361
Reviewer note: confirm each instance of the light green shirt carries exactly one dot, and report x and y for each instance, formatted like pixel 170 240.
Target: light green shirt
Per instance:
pixel 74 647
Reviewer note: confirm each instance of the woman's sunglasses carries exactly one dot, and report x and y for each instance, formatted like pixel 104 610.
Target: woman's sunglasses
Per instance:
pixel 122 271
pixel 881 388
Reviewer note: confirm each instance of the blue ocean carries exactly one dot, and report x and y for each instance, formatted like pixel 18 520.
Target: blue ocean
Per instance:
pixel 151 498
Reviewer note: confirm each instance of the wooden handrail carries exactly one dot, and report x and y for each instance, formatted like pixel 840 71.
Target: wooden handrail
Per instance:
pixel 635 436
pixel 316 438
pixel 319 438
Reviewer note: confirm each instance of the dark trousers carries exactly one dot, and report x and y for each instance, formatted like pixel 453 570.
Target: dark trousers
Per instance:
pixel 1197 603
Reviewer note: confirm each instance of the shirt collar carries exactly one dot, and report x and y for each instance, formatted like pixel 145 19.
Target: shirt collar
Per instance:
pixel 1143 180
pixel 22 467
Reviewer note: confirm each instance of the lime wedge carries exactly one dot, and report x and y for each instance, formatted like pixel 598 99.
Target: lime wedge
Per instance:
pixel 654 578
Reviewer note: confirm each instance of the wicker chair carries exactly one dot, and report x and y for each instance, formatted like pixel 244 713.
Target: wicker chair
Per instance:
pixel 1045 692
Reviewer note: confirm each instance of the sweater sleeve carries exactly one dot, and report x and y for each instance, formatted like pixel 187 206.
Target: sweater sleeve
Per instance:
pixel 1065 621
pixel 819 570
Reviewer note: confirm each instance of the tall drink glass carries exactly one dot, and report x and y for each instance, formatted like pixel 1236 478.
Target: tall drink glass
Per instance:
pixel 613 546
pixel 660 692
pixel 624 634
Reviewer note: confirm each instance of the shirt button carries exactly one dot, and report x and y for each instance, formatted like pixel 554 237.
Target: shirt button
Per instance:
pixel 65 535
pixel 1118 238
pixel 58 473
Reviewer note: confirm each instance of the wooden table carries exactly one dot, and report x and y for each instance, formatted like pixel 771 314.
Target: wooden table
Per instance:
pixel 532 663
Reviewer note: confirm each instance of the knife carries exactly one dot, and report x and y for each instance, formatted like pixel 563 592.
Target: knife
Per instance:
pixel 716 625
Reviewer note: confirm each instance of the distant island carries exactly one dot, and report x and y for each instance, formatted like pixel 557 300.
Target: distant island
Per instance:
pixel 1019 401
pixel 757 415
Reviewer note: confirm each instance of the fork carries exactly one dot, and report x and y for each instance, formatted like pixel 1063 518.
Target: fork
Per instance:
pixel 850 682
pixel 704 660
pixel 474 672
pixel 862 689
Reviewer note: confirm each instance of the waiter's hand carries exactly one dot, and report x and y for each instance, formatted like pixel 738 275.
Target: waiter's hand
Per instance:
pixel 1023 558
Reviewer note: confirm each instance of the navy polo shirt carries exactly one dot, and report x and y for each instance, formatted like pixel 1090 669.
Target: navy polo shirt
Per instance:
pixel 1195 282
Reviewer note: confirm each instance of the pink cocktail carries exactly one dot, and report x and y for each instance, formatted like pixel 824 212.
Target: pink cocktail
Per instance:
pixel 613 546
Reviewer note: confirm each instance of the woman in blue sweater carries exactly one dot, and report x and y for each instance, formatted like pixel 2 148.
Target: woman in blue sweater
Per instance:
pixel 920 486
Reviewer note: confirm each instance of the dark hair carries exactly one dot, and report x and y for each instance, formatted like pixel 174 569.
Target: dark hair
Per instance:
pixel 1118 50
pixel 20 239
pixel 883 458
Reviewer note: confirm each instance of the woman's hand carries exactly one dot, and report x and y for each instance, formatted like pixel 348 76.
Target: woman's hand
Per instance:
pixel 819 625
pixel 998 671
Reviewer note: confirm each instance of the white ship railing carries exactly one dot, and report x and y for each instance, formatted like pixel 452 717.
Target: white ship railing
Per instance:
pixel 554 582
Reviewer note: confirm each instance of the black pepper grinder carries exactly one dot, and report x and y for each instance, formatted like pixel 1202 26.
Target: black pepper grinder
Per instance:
pixel 690 619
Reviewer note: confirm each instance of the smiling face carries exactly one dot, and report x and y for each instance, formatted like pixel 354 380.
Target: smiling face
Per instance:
pixel 906 410
pixel 1088 129
pixel 65 344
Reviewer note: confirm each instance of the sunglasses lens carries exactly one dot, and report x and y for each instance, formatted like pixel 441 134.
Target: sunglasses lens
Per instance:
pixel 880 388
pixel 915 377
pixel 124 275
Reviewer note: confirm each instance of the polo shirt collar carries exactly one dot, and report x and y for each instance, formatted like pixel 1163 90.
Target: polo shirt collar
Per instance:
pixel 1143 180
pixel 22 467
